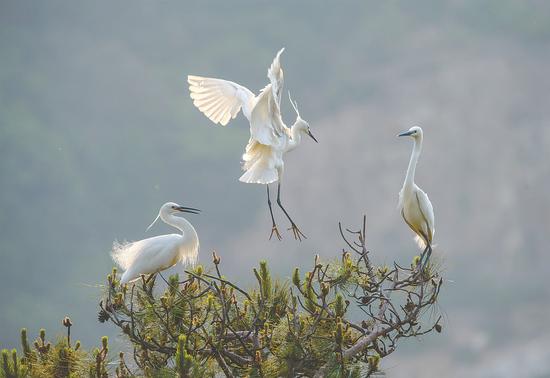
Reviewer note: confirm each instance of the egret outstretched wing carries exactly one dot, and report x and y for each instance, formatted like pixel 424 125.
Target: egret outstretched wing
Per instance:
pixel 276 77
pixel 266 124
pixel 219 100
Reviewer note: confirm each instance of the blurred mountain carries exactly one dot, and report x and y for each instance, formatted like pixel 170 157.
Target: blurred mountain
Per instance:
pixel 97 131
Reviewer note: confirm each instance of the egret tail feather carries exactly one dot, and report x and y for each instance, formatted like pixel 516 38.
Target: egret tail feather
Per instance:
pixel 123 254
pixel 259 164
pixel 259 174
pixel 422 243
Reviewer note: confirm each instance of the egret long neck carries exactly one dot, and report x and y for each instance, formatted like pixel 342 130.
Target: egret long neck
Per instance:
pixel 181 224
pixel 295 138
pixel 409 179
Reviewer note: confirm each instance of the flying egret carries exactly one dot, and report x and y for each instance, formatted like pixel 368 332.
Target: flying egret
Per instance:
pixel 416 208
pixel 158 253
pixel 270 138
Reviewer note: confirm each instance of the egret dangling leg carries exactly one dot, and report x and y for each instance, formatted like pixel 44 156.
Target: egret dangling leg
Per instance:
pixel 298 235
pixel 274 229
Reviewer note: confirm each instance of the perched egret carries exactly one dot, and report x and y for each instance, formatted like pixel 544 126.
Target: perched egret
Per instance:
pixel 416 208
pixel 158 253
pixel 270 138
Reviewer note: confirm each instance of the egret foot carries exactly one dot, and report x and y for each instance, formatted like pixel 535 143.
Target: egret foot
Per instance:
pixel 275 231
pixel 298 235
pixel 421 264
pixel 425 264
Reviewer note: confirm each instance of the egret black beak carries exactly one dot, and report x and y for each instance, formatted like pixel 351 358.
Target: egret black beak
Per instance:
pixel 311 136
pixel 191 210
pixel 406 133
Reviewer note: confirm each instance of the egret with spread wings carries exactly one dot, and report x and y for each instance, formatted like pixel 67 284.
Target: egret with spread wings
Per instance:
pixel 221 101
pixel 414 204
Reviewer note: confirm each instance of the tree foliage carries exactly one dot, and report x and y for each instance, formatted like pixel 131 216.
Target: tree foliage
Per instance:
pixel 61 359
pixel 339 319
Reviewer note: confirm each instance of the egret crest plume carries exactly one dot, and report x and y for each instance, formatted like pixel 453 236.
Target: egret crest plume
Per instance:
pixel 294 104
pixel 155 221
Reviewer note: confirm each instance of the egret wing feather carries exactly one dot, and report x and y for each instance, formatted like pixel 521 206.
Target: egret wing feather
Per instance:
pixel 259 161
pixel 400 200
pixel 427 210
pixel 127 253
pixel 219 100
pixel 121 254
pixel 266 125
pixel 154 254
pixel 276 77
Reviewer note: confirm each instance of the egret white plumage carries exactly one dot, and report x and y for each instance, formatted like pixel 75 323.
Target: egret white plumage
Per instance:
pixel 221 100
pixel 158 253
pixel 414 204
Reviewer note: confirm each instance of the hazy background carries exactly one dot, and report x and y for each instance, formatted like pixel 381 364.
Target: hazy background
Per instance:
pixel 97 131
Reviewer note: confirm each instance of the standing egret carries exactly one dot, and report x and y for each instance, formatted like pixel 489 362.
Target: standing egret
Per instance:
pixel 416 208
pixel 158 253
pixel 270 138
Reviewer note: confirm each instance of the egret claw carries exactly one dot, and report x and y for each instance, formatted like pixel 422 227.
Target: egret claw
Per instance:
pixel 298 235
pixel 275 231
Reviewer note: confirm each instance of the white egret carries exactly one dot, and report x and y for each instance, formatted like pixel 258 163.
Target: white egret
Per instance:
pixel 416 208
pixel 270 138
pixel 158 253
